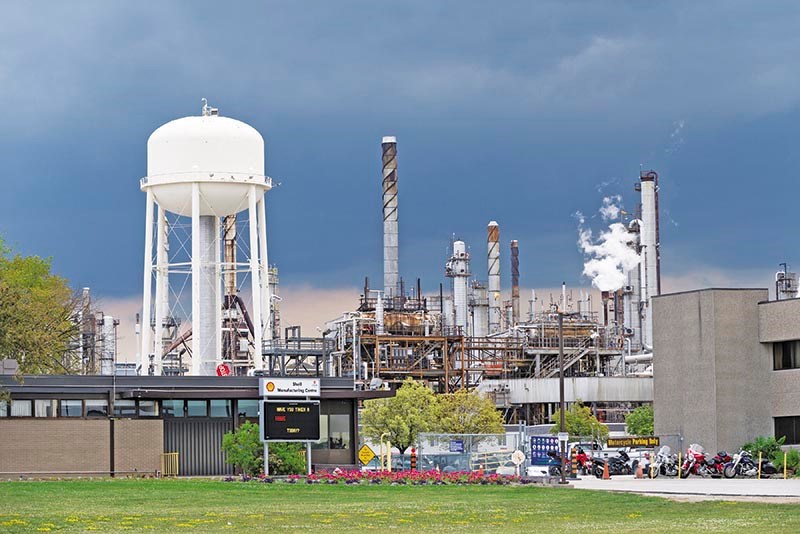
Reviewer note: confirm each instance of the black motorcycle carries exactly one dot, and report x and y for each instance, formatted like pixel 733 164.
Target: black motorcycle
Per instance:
pixel 617 465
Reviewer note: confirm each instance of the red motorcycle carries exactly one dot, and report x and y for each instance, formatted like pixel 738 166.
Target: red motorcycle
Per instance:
pixel 697 464
pixel 718 462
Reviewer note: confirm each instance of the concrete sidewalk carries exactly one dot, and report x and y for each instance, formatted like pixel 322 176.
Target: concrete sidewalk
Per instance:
pixel 699 488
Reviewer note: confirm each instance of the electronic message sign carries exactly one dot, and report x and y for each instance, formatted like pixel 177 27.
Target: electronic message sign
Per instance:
pixel 290 420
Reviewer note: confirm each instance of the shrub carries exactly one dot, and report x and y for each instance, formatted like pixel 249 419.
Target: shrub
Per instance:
pixel 243 449
pixel 792 460
pixel 766 445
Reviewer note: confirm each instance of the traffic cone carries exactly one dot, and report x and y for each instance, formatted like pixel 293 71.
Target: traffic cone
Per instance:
pixel 606 476
pixel 639 473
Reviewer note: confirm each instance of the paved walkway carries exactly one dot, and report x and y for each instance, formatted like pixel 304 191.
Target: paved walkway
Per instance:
pixel 699 488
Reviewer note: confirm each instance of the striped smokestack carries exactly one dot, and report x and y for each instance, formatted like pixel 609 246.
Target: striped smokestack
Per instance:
pixel 390 256
pixel 494 277
pixel 514 282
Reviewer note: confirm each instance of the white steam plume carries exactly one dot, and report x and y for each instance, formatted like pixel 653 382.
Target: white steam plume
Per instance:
pixel 610 211
pixel 609 257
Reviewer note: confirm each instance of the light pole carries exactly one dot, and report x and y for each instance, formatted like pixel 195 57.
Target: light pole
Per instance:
pixel 562 439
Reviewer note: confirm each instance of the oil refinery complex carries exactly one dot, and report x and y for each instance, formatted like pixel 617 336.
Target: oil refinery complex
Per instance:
pixel 210 335
pixel 210 304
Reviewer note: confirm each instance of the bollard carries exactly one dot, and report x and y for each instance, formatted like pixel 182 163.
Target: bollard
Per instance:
pixel 759 465
pixel 639 473
pixel 606 475
pixel 413 459
pixel 680 464
pixel 573 462
pixel 480 470
pixel 784 466
pixel 652 469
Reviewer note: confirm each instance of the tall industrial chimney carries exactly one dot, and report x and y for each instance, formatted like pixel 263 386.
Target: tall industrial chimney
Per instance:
pixel 390 257
pixel 651 279
pixel 494 277
pixel 514 282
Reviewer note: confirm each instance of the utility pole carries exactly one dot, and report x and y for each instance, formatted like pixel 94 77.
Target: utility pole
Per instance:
pixel 561 402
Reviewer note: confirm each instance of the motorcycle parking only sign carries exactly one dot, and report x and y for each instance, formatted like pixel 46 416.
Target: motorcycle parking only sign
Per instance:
pixel 645 442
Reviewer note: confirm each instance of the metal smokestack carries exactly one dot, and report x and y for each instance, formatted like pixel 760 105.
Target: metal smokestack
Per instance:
pixel 651 283
pixel 514 282
pixel 494 277
pixel 390 257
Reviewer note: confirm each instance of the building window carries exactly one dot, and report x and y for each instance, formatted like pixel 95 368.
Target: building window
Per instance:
pixel 339 431
pixel 21 408
pixel 247 408
pixel 197 408
pixel 70 408
pixel 220 408
pixel 44 408
pixel 786 355
pixel 789 427
pixel 148 408
pixel 125 408
pixel 173 408
pixel 96 408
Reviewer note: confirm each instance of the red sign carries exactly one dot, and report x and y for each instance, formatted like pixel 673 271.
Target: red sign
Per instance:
pixel 223 369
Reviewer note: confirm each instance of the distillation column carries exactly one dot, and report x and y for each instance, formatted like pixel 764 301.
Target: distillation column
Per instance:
pixel 458 269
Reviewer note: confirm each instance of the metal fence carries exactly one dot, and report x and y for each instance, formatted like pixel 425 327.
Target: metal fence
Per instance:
pixel 467 452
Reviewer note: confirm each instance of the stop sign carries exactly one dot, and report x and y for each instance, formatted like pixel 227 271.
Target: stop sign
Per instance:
pixel 223 369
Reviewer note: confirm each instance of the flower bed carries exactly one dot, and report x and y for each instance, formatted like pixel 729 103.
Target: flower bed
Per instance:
pixel 415 478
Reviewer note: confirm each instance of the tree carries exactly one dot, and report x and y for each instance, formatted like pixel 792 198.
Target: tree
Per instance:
pixel 402 417
pixel 579 421
pixel 243 448
pixel 37 312
pixel 640 421
pixel 466 412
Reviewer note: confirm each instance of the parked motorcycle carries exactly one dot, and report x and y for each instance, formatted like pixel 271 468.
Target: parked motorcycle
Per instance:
pixel 718 462
pixel 617 465
pixel 743 465
pixel 665 463
pixel 696 463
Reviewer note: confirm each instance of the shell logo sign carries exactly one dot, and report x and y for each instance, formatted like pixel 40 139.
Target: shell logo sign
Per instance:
pixel 289 387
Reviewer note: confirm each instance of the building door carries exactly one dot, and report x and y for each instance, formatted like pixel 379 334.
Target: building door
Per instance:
pixel 198 442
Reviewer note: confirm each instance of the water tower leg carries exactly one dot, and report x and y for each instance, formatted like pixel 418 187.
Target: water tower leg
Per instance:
pixel 266 298
pixel 147 285
pixel 162 289
pixel 197 363
pixel 255 278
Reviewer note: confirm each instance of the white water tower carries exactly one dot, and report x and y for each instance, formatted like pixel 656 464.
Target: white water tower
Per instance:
pixel 203 168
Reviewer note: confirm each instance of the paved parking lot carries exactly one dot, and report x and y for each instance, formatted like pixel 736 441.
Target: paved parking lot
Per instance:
pixel 694 488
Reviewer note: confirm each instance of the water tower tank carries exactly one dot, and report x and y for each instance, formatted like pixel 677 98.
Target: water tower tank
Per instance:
pixel 224 155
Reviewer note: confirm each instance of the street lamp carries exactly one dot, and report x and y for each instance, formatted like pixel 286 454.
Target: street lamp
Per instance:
pixel 562 432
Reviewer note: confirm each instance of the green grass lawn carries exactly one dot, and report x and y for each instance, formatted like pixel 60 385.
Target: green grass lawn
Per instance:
pixel 206 505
